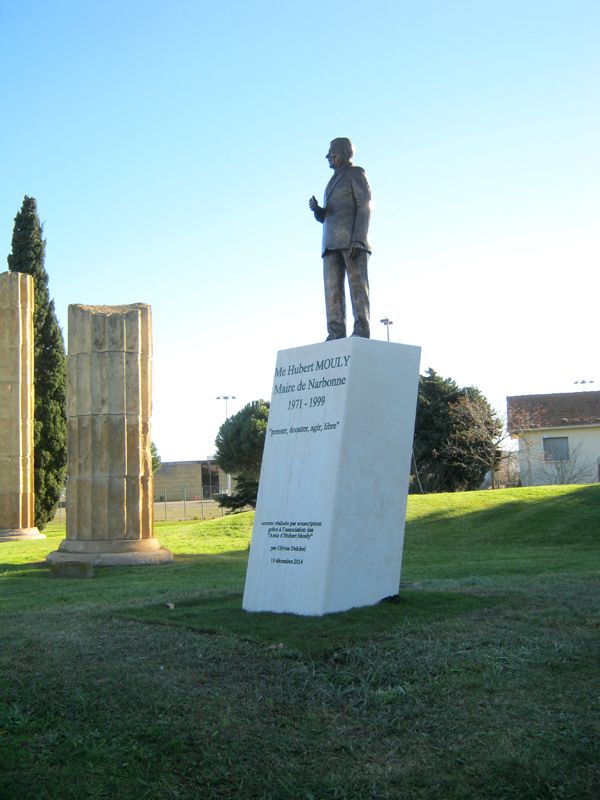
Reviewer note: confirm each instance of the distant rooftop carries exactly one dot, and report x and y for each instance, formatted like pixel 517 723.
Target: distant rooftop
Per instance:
pixel 169 464
pixel 531 411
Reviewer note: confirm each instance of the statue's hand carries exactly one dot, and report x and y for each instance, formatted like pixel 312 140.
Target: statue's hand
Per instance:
pixel 355 250
pixel 312 204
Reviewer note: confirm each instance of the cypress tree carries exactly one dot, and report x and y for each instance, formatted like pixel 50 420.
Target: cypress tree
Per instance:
pixel 50 418
pixel 156 459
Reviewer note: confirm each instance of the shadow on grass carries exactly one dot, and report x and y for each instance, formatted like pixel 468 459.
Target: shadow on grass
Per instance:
pixel 181 560
pixel 311 636
pixel 30 587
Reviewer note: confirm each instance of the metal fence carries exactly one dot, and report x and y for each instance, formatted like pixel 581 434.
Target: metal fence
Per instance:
pixel 168 511
pixel 183 509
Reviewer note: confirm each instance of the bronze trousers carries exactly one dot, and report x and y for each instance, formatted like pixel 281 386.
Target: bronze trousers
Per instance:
pixel 336 265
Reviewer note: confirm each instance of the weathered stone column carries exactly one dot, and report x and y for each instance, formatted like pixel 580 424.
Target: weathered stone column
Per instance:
pixel 110 503
pixel 16 408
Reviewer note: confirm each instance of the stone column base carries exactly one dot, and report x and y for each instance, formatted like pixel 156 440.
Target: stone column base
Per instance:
pixel 111 553
pixel 20 534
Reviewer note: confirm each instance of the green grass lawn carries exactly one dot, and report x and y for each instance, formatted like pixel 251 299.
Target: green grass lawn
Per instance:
pixel 483 681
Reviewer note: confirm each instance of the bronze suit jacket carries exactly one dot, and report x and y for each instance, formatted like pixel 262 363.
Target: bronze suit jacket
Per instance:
pixel 346 210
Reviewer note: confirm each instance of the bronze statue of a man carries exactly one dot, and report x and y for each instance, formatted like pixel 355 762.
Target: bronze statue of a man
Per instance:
pixel 345 216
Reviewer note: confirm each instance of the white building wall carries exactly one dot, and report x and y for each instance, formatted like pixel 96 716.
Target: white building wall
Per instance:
pixel 583 463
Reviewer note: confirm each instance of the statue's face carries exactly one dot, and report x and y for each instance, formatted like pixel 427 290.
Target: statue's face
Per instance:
pixel 335 157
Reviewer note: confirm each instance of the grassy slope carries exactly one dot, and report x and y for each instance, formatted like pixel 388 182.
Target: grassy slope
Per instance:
pixel 480 685
pixel 525 531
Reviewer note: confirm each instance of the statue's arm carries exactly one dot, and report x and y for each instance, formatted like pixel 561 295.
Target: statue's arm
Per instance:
pixel 316 209
pixel 362 198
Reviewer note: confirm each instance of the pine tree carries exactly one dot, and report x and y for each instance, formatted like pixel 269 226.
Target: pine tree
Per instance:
pixel 433 427
pixel 456 436
pixel 50 419
pixel 239 445
pixel 241 440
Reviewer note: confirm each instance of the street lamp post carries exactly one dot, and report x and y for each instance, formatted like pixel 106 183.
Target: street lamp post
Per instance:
pixel 226 397
pixel 387 322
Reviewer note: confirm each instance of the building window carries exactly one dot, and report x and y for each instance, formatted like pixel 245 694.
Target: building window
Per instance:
pixel 556 448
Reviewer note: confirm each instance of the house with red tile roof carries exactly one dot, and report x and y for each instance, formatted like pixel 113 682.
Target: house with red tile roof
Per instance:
pixel 558 435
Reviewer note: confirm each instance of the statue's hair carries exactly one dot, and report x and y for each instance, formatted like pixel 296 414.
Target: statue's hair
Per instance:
pixel 343 144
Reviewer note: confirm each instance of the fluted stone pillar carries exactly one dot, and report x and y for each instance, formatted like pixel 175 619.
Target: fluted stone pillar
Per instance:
pixel 110 503
pixel 16 408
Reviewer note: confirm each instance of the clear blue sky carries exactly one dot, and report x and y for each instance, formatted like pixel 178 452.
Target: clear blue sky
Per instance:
pixel 172 148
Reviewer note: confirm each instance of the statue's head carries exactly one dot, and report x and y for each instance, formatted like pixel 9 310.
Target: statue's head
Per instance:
pixel 340 152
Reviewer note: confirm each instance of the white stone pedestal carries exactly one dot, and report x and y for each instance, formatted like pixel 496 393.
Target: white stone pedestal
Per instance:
pixel 331 506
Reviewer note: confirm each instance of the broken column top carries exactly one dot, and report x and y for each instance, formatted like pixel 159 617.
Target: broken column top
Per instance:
pixel 124 328
pixel 108 310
